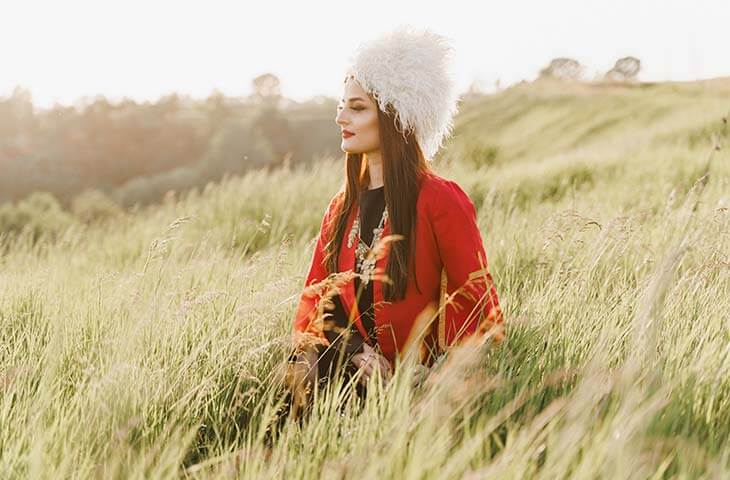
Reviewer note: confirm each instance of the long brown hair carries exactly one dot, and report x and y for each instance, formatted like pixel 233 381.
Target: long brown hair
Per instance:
pixel 404 167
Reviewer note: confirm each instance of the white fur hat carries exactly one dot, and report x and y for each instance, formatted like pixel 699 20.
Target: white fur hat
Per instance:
pixel 409 69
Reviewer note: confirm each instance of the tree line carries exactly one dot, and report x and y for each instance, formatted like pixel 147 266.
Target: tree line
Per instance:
pixel 135 152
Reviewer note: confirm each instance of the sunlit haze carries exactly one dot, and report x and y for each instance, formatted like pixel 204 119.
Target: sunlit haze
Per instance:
pixel 63 51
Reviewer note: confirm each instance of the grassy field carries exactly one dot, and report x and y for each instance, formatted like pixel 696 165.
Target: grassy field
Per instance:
pixel 147 345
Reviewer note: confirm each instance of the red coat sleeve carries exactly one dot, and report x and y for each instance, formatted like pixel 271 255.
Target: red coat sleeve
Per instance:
pixel 474 306
pixel 306 311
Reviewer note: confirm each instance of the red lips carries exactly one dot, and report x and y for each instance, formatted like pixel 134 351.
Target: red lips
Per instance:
pixel 347 133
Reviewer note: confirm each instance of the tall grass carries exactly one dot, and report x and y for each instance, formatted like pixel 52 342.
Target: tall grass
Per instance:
pixel 150 346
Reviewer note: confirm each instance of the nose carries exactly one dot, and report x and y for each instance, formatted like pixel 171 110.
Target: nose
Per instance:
pixel 340 117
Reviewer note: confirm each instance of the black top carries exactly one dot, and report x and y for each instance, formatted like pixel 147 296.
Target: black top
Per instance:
pixel 372 204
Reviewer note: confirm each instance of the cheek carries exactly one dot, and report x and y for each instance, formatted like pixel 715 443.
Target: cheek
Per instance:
pixel 370 125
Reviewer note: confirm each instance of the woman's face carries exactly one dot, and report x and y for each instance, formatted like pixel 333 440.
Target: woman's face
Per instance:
pixel 357 114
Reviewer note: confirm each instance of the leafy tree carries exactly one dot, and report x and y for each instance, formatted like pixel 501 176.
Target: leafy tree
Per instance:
pixel 625 69
pixel 563 68
pixel 266 89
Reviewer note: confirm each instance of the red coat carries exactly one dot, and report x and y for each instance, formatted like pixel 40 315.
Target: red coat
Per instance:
pixel 448 242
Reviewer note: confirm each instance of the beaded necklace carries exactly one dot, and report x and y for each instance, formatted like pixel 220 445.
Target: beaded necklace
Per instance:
pixel 365 265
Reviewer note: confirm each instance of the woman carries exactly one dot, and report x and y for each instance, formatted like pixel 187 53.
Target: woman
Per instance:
pixel 419 228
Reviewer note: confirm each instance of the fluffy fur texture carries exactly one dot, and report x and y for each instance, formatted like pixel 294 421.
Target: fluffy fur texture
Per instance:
pixel 409 68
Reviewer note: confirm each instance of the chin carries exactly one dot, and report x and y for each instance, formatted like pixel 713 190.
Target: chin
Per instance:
pixel 350 150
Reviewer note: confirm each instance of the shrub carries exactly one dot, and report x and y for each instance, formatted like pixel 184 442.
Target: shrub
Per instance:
pixel 40 214
pixel 93 206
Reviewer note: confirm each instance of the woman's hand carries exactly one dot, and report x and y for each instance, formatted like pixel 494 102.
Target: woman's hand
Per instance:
pixel 368 361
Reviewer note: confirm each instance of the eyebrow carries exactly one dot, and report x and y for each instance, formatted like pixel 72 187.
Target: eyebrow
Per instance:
pixel 354 99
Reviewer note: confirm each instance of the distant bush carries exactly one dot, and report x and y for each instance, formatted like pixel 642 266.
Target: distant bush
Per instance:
pixel 152 188
pixel 235 148
pixel 625 69
pixel 563 69
pixel 39 215
pixel 93 206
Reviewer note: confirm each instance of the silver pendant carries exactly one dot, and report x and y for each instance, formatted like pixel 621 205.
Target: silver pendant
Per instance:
pixel 365 265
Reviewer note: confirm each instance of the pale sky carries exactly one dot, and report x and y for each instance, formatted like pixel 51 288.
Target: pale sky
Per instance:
pixel 64 50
